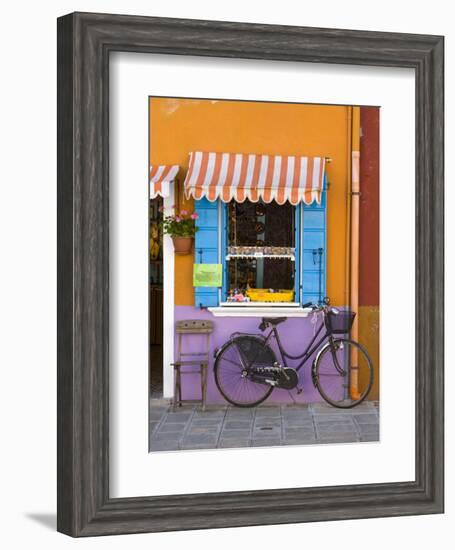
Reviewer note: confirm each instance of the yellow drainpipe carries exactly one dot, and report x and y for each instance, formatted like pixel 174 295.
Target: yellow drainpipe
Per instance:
pixel 355 237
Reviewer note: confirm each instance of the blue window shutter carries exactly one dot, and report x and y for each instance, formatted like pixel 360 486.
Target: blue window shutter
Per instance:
pixel 206 246
pixel 314 250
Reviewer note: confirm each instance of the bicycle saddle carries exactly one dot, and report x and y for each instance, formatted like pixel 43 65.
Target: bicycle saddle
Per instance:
pixel 274 321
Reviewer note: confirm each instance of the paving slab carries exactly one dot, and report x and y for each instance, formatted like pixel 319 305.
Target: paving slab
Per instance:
pixel 206 422
pixel 300 419
pixel 235 434
pixel 336 430
pixel 267 432
pixel 240 413
pixel 152 426
pixel 167 445
pixel 172 417
pixel 265 442
pixel 325 408
pixel 236 424
pixel 266 426
pixel 368 429
pixel 296 407
pixel 172 427
pixel 197 446
pixel 295 433
pixel 183 407
pixel 158 410
pixel 298 424
pixel 204 430
pixel 323 419
pixel 260 422
pixel 268 412
pixel 366 418
pixel 225 432
pixel 166 436
pixel 346 437
pixel 335 426
pixel 233 443
pixel 210 413
pixel 301 411
pixel 199 440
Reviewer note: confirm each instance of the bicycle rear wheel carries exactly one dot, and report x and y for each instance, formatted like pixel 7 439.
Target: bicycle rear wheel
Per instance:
pixel 233 366
pixel 334 369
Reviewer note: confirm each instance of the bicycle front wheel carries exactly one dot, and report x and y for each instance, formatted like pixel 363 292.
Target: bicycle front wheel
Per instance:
pixel 343 373
pixel 233 371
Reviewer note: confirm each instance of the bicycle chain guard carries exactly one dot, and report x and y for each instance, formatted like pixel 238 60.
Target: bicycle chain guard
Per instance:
pixel 288 379
pixel 277 377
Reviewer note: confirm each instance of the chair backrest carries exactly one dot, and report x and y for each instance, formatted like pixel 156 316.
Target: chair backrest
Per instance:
pixel 193 326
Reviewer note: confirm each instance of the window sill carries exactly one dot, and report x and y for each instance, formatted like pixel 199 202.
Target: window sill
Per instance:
pixel 259 310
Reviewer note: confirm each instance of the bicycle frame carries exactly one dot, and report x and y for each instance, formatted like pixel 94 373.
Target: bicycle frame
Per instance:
pixel 324 340
pixel 311 348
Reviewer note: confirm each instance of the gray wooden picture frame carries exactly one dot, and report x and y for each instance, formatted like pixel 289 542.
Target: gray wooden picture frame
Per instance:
pixel 85 41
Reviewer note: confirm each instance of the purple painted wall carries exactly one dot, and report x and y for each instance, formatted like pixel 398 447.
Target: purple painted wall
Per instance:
pixel 295 333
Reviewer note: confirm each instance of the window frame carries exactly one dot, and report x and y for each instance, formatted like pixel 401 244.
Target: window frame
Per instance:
pixel 223 246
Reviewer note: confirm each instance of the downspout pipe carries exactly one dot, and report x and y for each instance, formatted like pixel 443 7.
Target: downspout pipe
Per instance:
pixel 347 259
pixel 355 242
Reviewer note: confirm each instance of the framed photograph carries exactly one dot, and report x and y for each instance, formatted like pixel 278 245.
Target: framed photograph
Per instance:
pixel 250 284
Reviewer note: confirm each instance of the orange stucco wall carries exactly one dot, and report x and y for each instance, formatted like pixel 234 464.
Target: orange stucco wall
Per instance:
pixel 178 126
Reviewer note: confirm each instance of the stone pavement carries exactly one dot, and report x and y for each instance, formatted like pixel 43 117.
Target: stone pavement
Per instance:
pixel 264 426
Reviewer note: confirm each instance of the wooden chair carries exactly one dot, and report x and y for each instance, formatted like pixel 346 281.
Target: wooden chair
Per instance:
pixel 199 359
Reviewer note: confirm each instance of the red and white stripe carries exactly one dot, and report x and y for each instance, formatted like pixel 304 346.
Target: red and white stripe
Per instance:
pixel 160 177
pixel 238 176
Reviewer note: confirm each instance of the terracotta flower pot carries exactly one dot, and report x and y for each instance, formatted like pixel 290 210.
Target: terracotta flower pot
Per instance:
pixel 182 245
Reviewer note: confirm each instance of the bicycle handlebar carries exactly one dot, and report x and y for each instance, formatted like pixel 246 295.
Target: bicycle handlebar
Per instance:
pixel 324 307
pixel 314 307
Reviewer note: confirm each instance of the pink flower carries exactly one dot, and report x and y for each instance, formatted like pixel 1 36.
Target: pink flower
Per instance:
pixel 177 219
pixel 194 216
pixel 183 212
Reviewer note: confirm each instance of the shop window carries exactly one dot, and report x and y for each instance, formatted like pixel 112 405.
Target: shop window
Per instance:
pixel 260 259
pixel 301 227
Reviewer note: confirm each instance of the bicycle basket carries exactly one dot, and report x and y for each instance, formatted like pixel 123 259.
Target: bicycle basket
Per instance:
pixel 341 322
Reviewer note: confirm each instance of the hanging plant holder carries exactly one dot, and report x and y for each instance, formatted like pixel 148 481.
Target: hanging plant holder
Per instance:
pixel 182 245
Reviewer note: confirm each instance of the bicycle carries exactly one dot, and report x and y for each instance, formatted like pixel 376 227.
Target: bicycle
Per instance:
pixel 247 371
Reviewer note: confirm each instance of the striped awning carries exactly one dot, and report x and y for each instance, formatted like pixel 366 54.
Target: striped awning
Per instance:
pixel 238 176
pixel 161 176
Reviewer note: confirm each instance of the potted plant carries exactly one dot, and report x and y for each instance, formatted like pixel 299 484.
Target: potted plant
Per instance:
pixel 181 227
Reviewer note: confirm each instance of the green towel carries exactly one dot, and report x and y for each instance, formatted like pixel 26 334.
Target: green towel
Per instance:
pixel 207 275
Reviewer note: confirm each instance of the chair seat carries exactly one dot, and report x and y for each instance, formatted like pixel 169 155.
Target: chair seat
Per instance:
pixel 190 362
